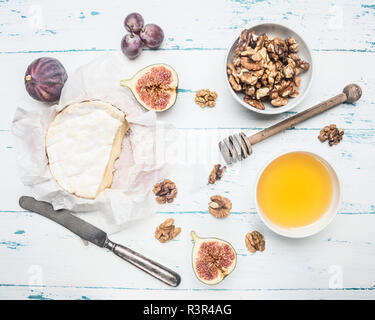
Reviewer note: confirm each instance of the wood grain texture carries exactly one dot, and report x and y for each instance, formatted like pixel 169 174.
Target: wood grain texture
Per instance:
pixel 40 260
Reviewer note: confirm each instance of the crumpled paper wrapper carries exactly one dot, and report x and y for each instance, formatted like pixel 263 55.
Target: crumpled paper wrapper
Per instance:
pixel 137 169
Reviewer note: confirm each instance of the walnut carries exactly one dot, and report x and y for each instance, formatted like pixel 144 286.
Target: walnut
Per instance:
pixel 250 91
pixel 243 42
pixel 250 65
pixel 255 241
pixel 265 68
pixel 288 71
pixel 294 56
pixel 262 92
pixel 292 45
pixel 286 91
pixel 249 52
pixel 166 231
pixel 304 65
pixel 273 94
pixel 256 56
pixel 216 173
pixel 332 134
pixel 279 102
pixel 165 191
pixel 249 78
pixel 219 206
pixel 255 103
pixel 231 68
pixel 205 97
pixel 297 81
pixel 234 84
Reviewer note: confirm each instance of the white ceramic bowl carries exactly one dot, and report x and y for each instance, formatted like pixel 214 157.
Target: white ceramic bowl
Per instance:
pixel 276 30
pixel 316 226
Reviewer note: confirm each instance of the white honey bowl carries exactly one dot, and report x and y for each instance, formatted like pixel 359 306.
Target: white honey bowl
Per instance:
pixel 276 30
pixel 322 222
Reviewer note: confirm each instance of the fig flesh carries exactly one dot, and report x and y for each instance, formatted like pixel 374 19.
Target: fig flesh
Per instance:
pixel 154 87
pixel 213 259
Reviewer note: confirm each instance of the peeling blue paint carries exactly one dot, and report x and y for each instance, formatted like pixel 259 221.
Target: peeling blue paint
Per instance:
pixel 38 297
pixel 185 90
pixel 95 13
pixel 50 31
pixel 368 6
pixel 11 244
pixel 20 232
pixel 338 241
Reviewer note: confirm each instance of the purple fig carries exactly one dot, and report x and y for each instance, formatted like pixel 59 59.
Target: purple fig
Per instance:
pixel 45 78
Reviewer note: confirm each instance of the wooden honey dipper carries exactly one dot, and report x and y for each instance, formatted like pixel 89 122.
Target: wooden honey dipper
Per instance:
pixel 238 146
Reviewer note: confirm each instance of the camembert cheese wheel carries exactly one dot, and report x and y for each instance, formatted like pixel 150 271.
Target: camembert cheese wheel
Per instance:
pixel 82 144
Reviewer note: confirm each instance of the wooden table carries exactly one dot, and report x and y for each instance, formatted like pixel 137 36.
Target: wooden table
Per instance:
pixel 40 260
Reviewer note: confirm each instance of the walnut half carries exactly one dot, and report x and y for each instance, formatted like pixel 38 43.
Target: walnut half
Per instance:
pixel 166 231
pixel 205 97
pixel 219 206
pixel 165 191
pixel 216 173
pixel 255 241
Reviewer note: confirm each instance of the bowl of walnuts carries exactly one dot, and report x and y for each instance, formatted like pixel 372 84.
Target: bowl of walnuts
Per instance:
pixel 269 68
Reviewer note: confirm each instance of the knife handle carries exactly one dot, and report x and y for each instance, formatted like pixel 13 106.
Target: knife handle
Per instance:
pixel 153 268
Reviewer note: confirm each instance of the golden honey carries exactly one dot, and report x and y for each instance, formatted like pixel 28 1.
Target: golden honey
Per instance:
pixel 294 190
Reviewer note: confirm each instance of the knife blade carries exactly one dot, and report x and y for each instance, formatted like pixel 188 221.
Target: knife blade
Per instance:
pixel 65 218
pixel 98 237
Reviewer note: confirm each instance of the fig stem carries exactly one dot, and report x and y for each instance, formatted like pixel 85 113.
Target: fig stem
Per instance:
pixel 125 83
pixel 194 236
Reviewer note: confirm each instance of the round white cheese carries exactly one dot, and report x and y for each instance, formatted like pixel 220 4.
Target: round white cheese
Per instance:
pixel 82 144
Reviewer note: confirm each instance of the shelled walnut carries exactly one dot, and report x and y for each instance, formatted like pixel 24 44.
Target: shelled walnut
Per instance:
pixel 332 134
pixel 165 191
pixel 265 68
pixel 255 241
pixel 219 206
pixel 216 173
pixel 166 231
pixel 205 97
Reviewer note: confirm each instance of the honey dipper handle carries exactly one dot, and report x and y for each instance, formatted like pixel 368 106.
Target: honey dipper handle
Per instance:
pixel 351 93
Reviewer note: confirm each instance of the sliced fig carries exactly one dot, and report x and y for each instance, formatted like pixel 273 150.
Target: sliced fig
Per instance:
pixel 154 87
pixel 213 259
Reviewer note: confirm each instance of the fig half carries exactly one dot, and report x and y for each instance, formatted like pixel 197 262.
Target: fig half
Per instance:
pixel 213 259
pixel 154 87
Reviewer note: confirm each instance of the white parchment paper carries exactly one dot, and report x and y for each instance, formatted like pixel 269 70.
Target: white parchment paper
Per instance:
pixel 137 168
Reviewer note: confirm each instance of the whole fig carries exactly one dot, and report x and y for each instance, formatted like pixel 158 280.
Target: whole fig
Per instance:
pixel 44 79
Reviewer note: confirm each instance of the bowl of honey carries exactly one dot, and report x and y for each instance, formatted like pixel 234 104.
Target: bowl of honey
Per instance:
pixel 297 194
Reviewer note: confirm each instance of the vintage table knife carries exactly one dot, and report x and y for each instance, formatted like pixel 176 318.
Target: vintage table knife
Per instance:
pixel 96 236
pixel 238 146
